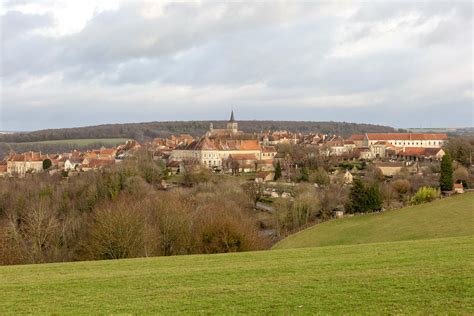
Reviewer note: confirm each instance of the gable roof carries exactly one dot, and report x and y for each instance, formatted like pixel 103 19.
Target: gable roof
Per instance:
pixel 406 136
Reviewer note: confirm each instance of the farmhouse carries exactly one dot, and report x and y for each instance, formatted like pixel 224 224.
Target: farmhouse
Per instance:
pixel 30 162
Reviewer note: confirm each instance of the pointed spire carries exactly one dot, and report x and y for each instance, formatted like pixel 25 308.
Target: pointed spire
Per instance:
pixel 232 116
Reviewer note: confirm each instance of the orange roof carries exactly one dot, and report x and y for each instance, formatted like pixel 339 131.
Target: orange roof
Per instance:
pixel 357 137
pixel 29 156
pixel 108 151
pixel 268 149
pixel 406 136
pixel 98 163
pixel 419 151
pixel 458 186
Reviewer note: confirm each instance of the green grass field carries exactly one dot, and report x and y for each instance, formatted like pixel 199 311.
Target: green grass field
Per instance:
pixel 80 142
pixel 424 276
pixel 448 217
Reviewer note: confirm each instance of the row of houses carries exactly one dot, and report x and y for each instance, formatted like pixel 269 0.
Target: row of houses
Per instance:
pixel 232 150
pixel 20 164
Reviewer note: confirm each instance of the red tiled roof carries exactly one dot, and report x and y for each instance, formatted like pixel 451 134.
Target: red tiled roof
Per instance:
pixel 406 136
pixel 419 151
pixel 108 151
pixel 458 186
pixel 357 137
pixel 98 163
pixel 268 149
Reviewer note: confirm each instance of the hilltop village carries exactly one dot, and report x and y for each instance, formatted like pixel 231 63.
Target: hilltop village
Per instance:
pixel 232 151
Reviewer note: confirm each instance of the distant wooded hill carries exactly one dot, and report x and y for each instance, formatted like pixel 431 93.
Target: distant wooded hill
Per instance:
pixel 90 137
pixel 144 131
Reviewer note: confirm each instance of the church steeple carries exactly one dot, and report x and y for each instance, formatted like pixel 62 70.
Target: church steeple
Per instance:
pixel 232 125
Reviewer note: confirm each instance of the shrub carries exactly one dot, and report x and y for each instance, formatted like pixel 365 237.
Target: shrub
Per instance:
pixel 424 195
pixel 47 164
pixel 319 176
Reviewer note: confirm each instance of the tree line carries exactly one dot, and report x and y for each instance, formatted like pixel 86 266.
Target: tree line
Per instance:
pixel 144 131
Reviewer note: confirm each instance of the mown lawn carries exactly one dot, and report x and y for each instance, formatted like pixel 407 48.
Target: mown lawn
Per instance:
pixel 424 276
pixel 448 217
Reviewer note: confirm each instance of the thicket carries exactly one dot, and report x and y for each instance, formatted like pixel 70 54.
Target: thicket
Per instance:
pixel 122 213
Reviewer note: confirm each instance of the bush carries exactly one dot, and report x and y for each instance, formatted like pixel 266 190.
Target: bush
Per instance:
pixel 319 176
pixel 424 195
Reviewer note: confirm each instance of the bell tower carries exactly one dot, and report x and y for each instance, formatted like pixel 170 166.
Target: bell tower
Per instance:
pixel 232 125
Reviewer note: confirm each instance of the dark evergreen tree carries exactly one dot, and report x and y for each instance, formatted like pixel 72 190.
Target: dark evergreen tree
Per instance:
pixel 277 171
pixel 446 177
pixel 374 198
pixel 358 197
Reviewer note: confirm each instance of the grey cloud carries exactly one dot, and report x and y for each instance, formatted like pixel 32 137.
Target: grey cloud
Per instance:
pixel 283 50
pixel 15 23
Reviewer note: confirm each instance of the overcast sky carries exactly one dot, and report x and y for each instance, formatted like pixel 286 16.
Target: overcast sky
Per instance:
pixel 78 63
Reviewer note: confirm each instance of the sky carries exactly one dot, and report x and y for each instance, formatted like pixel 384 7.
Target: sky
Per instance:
pixel 79 63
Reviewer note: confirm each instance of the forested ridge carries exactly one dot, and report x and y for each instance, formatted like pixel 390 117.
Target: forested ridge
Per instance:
pixel 143 131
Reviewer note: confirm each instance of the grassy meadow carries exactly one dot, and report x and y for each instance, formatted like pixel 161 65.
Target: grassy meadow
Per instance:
pixel 415 260
pixel 448 217
pixel 429 276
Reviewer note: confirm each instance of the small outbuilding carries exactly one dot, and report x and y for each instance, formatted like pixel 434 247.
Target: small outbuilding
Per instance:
pixel 458 188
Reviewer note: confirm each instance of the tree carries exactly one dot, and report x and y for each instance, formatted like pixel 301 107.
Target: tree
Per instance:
pixel 446 177
pixel 461 175
pixel 320 176
pixel 253 190
pixel 403 187
pixel 461 149
pixel 364 198
pixel 358 197
pixel 374 198
pixel 47 164
pixel 277 171
pixel 304 175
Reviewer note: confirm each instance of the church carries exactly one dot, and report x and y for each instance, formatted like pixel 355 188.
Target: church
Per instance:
pixel 219 146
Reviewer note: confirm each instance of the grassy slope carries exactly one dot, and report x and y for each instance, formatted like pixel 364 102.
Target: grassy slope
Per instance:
pixel 430 276
pixel 444 218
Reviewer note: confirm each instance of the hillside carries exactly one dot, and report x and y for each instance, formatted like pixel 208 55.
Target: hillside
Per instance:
pixel 448 217
pixel 426 276
pixel 141 131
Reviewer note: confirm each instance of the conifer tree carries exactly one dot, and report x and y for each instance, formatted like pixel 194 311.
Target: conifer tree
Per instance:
pixel 446 177
pixel 277 171
pixel 358 197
